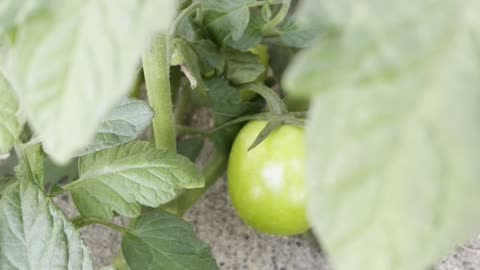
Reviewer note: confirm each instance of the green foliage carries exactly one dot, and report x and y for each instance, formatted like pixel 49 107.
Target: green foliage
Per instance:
pixel 211 58
pixel 124 177
pixel 291 35
pixel 393 135
pixel 226 105
pixel 5 183
pixel 159 240
pixel 10 125
pixel 31 162
pixel 243 67
pixel 13 12
pixel 35 234
pixel 67 68
pixel 125 123
pixel 190 64
pixel 91 49
pixel 190 148
pixel 228 18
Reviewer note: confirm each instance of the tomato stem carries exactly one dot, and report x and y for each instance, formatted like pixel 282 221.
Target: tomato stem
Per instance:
pixel 184 14
pixel 282 13
pixel 156 67
pixel 80 222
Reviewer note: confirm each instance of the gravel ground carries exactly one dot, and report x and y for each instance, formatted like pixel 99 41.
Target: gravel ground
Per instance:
pixel 238 247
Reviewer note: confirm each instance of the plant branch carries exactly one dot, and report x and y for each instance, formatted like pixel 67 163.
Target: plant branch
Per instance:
pixel 185 13
pixel 282 13
pixel 80 222
pixel 156 67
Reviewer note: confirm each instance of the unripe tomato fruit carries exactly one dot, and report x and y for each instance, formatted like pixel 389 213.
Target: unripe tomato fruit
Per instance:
pixel 267 183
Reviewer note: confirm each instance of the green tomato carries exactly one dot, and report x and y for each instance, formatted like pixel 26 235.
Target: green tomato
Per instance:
pixel 267 183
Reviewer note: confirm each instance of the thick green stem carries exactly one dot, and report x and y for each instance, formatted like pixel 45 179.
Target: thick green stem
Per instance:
pixel 80 222
pixel 156 67
pixel 214 168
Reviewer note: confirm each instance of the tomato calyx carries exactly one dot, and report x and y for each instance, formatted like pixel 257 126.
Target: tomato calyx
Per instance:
pixel 277 116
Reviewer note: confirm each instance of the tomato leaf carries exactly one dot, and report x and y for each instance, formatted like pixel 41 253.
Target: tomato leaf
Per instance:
pixel 36 234
pixel 230 18
pixel 229 24
pixel 124 124
pixel 191 66
pixel 10 125
pixel 34 157
pixel 124 177
pixel 211 59
pixel 393 138
pixel 13 12
pixel 188 30
pixel 92 49
pixel 243 67
pixel 160 240
pixel 227 105
pixel 292 35
pixel 251 37
pixel 5 183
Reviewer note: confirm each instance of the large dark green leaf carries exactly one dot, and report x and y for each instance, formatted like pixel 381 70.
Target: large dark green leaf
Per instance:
pixel 162 241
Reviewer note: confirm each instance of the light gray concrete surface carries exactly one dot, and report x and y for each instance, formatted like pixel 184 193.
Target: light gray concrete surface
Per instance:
pixel 238 247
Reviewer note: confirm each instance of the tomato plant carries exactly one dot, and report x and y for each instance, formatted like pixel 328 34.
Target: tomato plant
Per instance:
pixel 100 99
pixel 80 125
pixel 267 183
